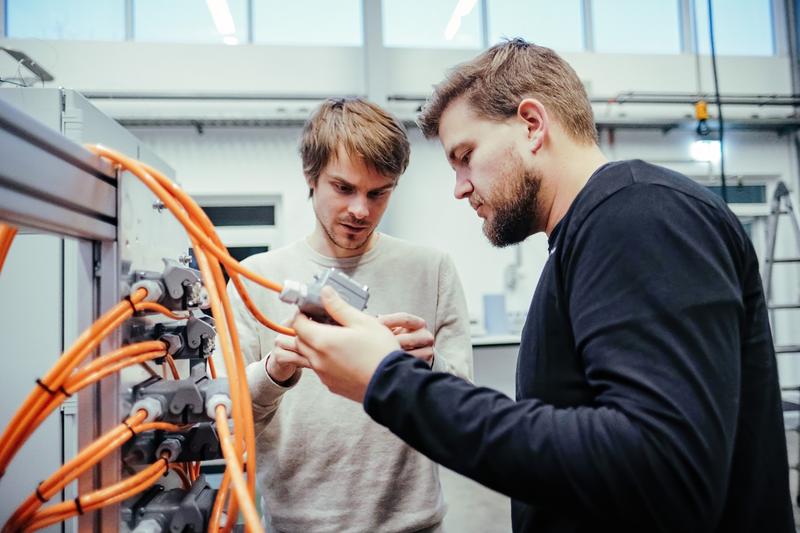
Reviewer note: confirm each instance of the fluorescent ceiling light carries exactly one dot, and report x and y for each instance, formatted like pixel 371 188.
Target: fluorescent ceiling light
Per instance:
pixel 221 13
pixel 462 9
pixel 705 150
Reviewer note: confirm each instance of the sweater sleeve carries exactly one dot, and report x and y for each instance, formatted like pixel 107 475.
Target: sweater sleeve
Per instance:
pixel 453 344
pixel 655 308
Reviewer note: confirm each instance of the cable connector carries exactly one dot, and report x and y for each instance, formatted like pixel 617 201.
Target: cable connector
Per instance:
pixel 155 291
pixel 199 443
pixel 159 510
pixel 183 401
pixel 151 405
pixel 307 297
pixel 177 287
pixel 171 446
pixel 217 394
pixel 195 338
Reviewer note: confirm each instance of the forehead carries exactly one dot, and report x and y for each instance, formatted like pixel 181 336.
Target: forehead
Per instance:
pixel 353 170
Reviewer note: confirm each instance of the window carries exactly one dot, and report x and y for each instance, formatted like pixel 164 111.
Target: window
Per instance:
pixel 742 194
pixel 741 27
pixel 426 24
pixel 241 215
pixel 308 22
pixel 97 20
pixel 557 25
pixel 246 224
pixel 190 21
pixel 636 27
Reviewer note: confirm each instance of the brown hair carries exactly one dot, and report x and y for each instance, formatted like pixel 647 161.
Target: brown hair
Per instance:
pixel 496 81
pixel 362 128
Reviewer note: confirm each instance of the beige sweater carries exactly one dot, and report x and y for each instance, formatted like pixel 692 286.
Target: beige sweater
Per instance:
pixel 323 465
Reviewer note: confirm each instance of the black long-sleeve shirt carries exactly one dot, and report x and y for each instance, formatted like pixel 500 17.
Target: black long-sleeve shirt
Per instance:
pixel 647 388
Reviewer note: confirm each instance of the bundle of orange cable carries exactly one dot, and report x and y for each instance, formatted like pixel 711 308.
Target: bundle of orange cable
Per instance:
pixel 210 254
pixel 63 379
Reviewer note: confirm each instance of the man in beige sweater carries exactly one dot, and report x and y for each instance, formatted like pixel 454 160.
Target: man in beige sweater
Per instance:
pixel 323 465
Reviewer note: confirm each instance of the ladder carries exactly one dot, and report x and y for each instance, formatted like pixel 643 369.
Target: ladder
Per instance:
pixel 781 205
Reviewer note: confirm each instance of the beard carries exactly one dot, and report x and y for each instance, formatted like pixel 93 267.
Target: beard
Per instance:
pixel 515 205
pixel 343 241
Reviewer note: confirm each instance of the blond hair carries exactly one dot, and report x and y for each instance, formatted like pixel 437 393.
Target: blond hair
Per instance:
pixel 363 129
pixel 497 80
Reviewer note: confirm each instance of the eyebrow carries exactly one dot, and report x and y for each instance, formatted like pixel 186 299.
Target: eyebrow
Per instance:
pixel 343 181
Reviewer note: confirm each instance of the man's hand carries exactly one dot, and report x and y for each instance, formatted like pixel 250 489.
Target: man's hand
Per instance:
pixel 412 334
pixel 284 361
pixel 344 357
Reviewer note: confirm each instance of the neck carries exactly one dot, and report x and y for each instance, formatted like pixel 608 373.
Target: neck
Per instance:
pixel 571 171
pixel 321 243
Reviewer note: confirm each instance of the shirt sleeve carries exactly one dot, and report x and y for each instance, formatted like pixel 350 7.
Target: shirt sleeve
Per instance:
pixel 655 306
pixel 452 344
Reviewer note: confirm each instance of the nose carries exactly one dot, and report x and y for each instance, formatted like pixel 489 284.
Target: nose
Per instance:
pixel 463 186
pixel 358 208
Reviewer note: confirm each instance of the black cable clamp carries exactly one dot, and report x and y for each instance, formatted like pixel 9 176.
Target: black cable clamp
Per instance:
pixel 45 387
pixel 39 494
pixel 78 505
pixel 133 433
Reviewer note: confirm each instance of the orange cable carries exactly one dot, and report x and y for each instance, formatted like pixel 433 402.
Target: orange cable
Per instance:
pixel 181 473
pixel 158 308
pixel 100 498
pixel 244 389
pixel 79 382
pixel 252 522
pixel 165 193
pixel 20 427
pixel 242 409
pixel 119 354
pixel 172 367
pixel 206 225
pixel 219 503
pixel 86 459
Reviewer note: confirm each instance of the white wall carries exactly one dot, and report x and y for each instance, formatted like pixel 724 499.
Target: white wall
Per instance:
pixel 264 161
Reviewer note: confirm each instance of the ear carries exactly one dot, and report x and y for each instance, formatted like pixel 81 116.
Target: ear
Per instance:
pixel 312 183
pixel 533 113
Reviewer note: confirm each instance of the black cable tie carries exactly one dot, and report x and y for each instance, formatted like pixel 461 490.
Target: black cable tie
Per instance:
pixel 65 392
pixel 39 493
pixel 78 505
pixel 133 305
pixel 45 387
pixel 133 433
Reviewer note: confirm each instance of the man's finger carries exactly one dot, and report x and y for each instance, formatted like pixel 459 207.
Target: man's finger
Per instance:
pixel 415 339
pixel 286 342
pixel 402 320
pixel 308 332
pixel 341 311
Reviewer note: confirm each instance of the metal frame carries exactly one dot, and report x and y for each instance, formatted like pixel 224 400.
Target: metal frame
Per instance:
pixel 68 192
pixel 52 184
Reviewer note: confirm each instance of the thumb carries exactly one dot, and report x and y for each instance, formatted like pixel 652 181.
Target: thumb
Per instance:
pixel 341 311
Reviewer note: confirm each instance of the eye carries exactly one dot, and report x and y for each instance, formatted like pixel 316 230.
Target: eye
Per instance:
pixel 465 158
pixel 344 189
pixel 378 194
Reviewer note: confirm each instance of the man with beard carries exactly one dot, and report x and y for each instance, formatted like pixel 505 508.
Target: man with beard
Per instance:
pixel 647 390
pixel 323 464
